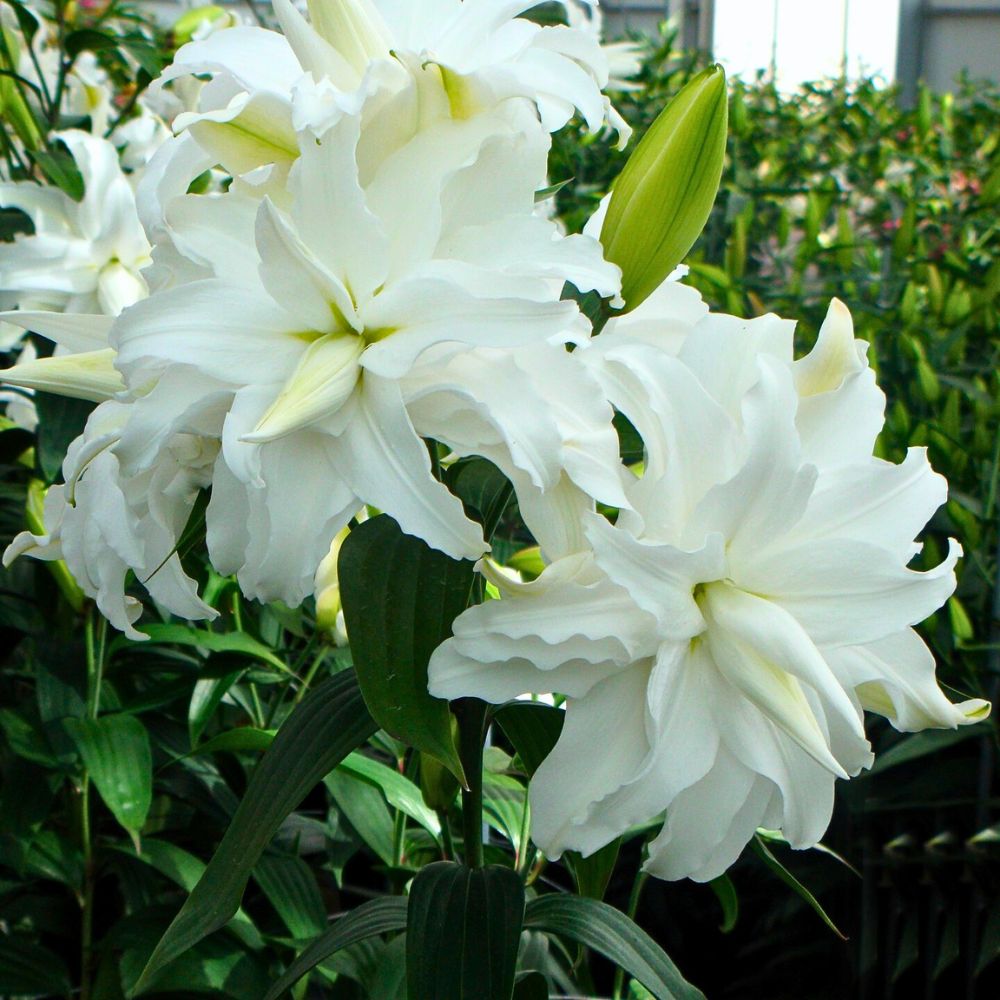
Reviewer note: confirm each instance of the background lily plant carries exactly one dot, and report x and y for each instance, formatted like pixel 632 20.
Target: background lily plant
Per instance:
pixel 508 549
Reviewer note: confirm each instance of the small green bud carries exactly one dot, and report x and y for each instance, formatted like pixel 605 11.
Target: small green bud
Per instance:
pixel 662 199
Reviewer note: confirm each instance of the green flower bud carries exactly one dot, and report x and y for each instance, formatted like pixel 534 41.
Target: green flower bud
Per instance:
pixel 662 199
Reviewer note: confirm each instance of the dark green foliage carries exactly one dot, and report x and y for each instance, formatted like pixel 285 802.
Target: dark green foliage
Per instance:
pixel 470 921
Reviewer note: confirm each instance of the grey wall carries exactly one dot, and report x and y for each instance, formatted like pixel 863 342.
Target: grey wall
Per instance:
pixel 960 35
pixel 622 16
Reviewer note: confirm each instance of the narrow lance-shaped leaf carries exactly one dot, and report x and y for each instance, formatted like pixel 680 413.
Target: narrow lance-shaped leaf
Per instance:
pixel 330 723
pixel 606 930
pixel 116 752
pixel 662 199
pixel 762 850
pixel 377 916
pixel 463 932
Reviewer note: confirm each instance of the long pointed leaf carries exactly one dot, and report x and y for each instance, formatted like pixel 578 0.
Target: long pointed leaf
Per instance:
pixel 604 929
pixel 330 723
pixel 377 916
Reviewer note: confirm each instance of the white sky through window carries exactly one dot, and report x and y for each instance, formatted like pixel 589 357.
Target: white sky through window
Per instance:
pixel 807 38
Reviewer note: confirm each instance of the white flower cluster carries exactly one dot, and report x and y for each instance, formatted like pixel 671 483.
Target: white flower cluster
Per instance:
pixel 376 273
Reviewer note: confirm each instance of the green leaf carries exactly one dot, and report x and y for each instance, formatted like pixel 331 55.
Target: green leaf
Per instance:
pixel 27 968
pixel 593 873
pixel 290 886
pixel 60 420
pixel 483 489
pixel 399 791
pixel 88 40
pixel 214 642
pixel 532 728
pixel 761 849
pixel 329 723
pixel 463 932
pixel 244 738
pixel 116 752
pixel 917 745
pixel 377 916
pixel 61 169
pixel 205 699
pixel 363 804
pixel 504 805
pixel 185 869
pixel 725 892
pixel 606 930
pixel 400 598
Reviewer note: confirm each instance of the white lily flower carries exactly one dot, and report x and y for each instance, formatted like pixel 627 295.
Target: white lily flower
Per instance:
pixel 322 321
pixel 84 256
pixel 721 639
pixel 470 58
pixel 104 524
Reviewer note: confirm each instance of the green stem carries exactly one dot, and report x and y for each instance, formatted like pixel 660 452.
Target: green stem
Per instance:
pixel 95 638
pixel 310 675
pixel 633 908
pixel 471 736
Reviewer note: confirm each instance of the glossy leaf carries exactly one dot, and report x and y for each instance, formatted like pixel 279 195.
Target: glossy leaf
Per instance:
pixel 377 916
pixel 606 930
pixel 463 932
pixel 532 728
pixel 364 807
pixel 399 791
pixel 116 753
pixel 400 597
pixel 291 888
pixel 330 723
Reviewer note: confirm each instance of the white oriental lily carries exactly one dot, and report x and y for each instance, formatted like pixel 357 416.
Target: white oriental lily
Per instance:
pixel 104 524
pixel 84 256
pixel 320 322
pixel 720 641
pixel 470 57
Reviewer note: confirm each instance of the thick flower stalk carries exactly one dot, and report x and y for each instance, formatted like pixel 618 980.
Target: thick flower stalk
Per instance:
pixel 721 639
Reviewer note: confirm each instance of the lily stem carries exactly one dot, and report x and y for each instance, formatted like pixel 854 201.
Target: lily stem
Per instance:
pixel 633 907
pixel 471 737
pixel 94 642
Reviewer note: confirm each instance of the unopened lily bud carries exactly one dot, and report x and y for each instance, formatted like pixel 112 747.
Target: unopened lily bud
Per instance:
pixel 437 784
pixel 662 199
